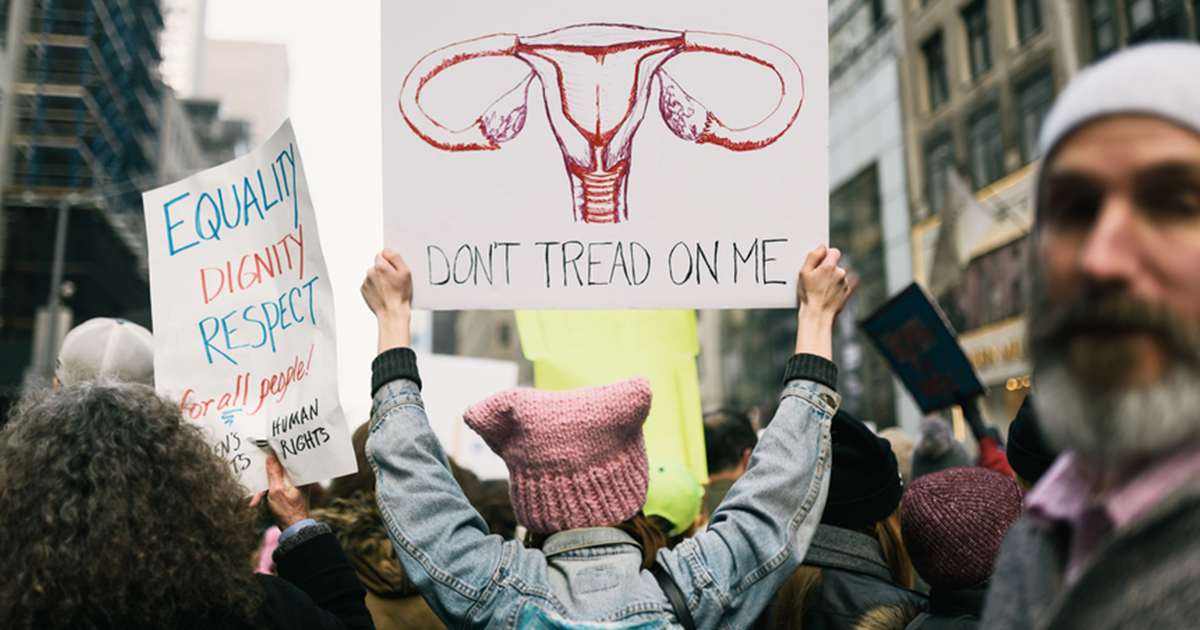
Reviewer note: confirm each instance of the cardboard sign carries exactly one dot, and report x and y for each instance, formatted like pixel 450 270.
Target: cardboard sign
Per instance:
pixel 630 154
pixel 243 314
pixel 914 335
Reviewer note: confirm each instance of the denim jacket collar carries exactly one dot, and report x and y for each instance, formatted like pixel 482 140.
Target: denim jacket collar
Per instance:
pixel 576 539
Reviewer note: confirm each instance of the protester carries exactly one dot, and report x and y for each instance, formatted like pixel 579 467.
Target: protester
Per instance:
pixel 937 449
pixel 353 515
pixel 1027 452
pixel 106 347
pixel 1111 538
pixel 578 470
pixel 117 514
pixel 902 448
pixel 857 561
pixel 673 500
pixel 729 439
pixel 952 523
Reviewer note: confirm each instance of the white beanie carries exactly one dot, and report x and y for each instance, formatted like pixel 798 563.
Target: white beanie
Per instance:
pixel 1159 79
pixel 107 347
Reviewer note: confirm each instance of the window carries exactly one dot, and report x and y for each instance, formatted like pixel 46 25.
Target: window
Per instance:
pixel 939 158
pixel 1034 97
pixel 1156 19
pixel 1103 17
pixel 935 69
pixel 978 43
pixel 986 146
pixel 1029 18
pixel 5 7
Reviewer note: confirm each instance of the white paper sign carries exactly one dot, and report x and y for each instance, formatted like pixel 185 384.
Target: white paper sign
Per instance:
pixel 450 385
pixel 605 155
pixel 243 314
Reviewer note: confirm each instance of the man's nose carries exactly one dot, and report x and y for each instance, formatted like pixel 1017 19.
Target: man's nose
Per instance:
pixel 1109 254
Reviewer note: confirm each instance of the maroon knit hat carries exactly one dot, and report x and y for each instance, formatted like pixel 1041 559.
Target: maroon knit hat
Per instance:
pixel 952 523
pixel 575 458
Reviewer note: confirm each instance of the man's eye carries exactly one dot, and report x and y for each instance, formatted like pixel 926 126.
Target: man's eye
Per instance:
pixel 1175 204
pixel 1072 210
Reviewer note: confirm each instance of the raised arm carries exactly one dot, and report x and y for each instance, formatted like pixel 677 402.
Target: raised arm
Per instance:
pixel 442 542
pixel 761 531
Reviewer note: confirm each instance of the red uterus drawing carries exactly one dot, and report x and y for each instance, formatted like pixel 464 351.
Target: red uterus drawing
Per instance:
pixel 596 81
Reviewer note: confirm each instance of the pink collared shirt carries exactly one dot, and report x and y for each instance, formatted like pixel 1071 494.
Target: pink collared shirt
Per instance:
pixel 1066 494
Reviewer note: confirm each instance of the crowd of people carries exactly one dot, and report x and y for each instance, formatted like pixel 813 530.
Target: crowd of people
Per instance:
pixel 115 513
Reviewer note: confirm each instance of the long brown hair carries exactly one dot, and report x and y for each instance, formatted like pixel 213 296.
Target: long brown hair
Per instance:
pixel 794 597
pixel 642 530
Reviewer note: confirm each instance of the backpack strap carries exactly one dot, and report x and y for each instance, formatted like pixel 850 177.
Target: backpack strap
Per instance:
pixel 674 595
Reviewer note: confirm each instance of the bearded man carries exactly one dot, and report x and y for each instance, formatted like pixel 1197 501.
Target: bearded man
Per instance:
pixel 1112 534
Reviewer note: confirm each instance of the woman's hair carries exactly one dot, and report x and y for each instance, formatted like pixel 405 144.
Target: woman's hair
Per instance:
pixel 650 537
pixel 794 597
pixel 115 511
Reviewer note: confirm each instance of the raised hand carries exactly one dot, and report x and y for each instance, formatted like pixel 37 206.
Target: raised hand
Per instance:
pixel 822 290
pixel 388 291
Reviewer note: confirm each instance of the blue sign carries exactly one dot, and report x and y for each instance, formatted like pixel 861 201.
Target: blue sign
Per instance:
pixel 916 338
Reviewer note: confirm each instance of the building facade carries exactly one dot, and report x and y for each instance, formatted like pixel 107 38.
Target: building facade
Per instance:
pixel 80 124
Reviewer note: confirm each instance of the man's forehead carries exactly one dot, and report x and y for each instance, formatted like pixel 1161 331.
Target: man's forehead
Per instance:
pixel 1124 145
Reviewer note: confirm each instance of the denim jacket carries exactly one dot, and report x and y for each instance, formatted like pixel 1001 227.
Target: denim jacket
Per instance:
pixel 585 577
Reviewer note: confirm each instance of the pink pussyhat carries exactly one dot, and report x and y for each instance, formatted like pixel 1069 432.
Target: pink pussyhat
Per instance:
pixel 575 458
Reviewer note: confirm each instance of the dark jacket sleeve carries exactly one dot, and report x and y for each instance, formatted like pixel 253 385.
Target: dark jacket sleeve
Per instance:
pixel 319 589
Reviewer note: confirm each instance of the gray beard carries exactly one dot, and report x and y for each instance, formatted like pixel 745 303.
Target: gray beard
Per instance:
pixel 1119 426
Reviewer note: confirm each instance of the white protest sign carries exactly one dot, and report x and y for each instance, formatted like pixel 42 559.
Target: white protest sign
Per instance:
pixel 450 384
pixel 243 314
pixel 605 155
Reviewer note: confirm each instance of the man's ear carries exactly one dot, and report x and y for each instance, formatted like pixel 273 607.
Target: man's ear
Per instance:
pixel 744 461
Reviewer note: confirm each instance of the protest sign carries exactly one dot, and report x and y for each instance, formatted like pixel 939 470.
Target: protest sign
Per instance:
pixel 572 349
pixel 916 338
pixel 625 154
pixel 243 314
pixel 450 384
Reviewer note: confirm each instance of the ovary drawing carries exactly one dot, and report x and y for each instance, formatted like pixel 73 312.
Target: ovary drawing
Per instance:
pixel 596 81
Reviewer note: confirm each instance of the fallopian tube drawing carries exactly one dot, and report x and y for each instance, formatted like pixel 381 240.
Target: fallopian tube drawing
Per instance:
pixel 596 81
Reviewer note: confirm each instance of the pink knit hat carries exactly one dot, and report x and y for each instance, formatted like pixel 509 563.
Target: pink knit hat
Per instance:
pixel 575 458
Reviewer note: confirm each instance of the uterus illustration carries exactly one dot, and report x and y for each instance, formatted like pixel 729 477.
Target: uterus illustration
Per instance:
pixel 597 82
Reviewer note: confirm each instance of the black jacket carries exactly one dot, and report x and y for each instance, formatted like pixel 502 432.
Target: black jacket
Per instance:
pixel 855 579
pixel 951 610
pixel 317 590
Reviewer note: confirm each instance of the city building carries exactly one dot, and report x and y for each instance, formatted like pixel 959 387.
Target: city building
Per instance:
pixel 977 78
pixel 183 46
pixel 80 121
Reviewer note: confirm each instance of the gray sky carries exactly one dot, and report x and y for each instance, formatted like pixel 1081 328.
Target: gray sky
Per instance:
pixel 333 55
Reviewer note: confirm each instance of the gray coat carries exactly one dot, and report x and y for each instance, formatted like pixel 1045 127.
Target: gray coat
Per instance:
pixel 1146 576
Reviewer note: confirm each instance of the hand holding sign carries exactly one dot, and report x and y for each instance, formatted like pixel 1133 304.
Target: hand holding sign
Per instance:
pixel 823 290
pixel 288 503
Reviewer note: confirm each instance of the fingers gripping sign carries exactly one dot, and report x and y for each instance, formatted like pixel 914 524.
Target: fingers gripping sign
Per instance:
pixel 822 291
pixel 288 503
pixel 388 291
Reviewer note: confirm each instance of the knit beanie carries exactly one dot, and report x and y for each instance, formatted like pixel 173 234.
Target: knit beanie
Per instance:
pixel 937 449
pixel 106 347
pixel 952 523
pixel 575 458
pixel 864 483
pixel 674 494
pixel 1157 79
pixel 1028 454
